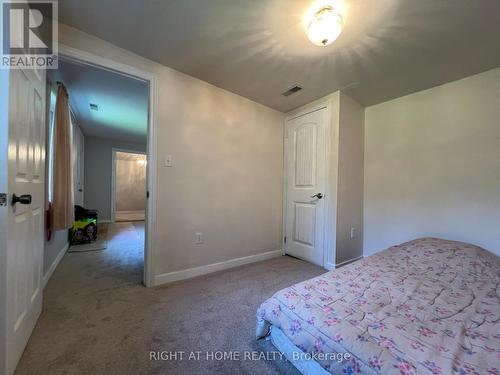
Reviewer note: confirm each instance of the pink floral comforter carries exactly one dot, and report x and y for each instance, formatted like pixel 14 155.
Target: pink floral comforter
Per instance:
pixel 428 306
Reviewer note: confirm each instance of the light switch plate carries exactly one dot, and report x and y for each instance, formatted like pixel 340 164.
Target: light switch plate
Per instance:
pixel 168 161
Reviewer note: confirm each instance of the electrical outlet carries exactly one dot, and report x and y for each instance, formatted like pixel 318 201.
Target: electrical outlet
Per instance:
pixel 198 238
pixel 353 233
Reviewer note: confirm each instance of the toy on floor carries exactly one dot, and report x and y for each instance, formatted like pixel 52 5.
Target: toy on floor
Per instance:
pixel 84 228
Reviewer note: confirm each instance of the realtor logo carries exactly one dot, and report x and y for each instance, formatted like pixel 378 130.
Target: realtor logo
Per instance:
pixel 29 34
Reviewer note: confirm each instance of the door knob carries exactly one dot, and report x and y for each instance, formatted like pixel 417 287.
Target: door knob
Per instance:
pixel 319 196
pixel 23 199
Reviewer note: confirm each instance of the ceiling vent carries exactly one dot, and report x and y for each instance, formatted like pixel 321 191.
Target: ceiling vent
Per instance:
pixel 94 107
pixel 291 90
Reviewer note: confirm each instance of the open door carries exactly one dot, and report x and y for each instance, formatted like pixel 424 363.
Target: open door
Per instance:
pixel 22 162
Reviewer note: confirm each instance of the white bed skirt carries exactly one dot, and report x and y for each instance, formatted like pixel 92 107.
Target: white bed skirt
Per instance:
pixel 296 356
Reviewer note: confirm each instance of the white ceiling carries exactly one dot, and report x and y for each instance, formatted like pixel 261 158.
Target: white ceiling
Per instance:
pixel 122 102
pixel 258 48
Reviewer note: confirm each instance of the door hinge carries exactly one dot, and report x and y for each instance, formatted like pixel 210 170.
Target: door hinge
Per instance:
pixel 3 199
pixel 284 239
pixel 147 194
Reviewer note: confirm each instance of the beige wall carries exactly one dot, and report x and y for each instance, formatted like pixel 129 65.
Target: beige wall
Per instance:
pixel 432 165
pixel 130 185
pixel 350 180
pixel 226 181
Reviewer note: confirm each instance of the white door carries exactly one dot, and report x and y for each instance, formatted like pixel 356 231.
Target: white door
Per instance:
pixel 23 222
pixel 305 145
pixel 77 153
pixel 80 166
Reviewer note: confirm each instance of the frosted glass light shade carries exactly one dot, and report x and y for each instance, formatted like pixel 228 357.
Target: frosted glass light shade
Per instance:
pixel 325 26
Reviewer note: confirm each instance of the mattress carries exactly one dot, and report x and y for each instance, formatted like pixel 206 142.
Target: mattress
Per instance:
pixel 428 306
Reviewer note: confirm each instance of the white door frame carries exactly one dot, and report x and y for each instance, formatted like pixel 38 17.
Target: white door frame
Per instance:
pixel 87 58
pixel 331 178
pixel 114 150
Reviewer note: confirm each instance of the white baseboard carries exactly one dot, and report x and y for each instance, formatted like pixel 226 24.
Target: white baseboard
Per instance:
pixel 346 262
pixel 54 265
pixel 330 266
pixel 209 268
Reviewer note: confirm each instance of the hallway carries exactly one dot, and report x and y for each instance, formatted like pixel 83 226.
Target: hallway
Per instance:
pixel 121 263
pixel 80 301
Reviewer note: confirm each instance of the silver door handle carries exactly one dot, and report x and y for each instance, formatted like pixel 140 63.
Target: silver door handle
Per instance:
pixel 319 196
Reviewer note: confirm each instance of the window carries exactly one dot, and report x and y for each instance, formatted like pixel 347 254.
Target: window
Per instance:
pixel 50 148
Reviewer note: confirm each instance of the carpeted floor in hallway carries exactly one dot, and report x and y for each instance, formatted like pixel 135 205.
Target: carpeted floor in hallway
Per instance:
pixel 99 319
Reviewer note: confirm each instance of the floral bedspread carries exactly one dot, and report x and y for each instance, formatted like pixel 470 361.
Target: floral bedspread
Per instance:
pixel 428 306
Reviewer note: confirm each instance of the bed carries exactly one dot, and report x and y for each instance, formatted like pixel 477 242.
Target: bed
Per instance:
pixel 428 306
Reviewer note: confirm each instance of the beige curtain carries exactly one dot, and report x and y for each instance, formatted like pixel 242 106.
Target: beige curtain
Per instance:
pixel 62 201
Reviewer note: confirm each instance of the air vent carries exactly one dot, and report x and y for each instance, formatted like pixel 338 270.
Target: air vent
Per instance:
pixel 94 107
pixel 291 90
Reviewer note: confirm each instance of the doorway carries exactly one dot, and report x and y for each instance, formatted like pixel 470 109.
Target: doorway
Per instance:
pixel 110 111
pixel 149 224
pixel 129 186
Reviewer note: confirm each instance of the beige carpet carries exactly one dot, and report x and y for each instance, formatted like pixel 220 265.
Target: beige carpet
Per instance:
pixel 98 319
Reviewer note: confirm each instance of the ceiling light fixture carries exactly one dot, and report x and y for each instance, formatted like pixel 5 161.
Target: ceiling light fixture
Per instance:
pixel 324 22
